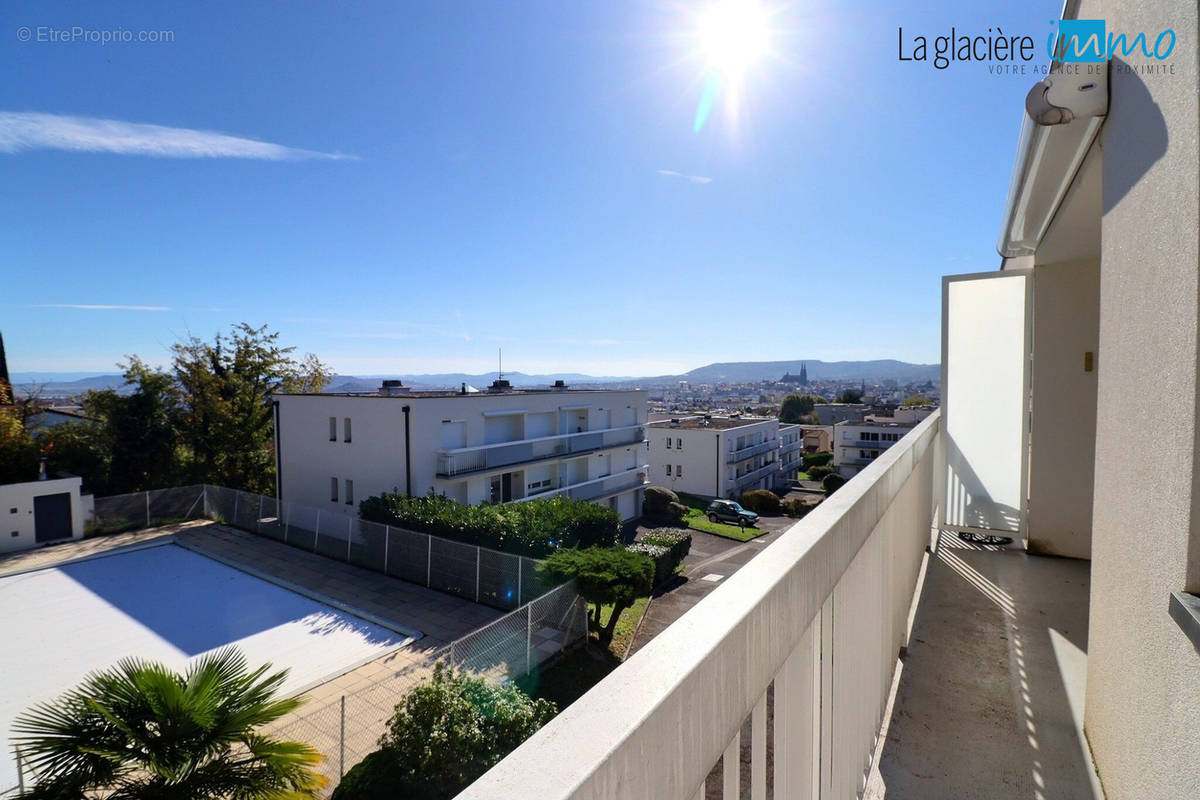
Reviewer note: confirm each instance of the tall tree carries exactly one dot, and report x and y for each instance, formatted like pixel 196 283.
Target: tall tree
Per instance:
pixel 227 418
pixel 140 429
pixel 797 408
pixel 140 731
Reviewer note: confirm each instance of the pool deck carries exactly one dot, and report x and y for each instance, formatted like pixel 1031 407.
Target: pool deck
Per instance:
pixel 370 690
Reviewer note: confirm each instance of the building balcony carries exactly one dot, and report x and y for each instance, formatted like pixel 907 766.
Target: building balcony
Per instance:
pixel 482 458
pixel 597 488
pixel 750 452
pixel 867 444
pixel 755 476
pixel 791 447
pixel 781 681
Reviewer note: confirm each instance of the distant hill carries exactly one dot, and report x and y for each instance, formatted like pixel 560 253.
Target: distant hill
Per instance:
pixel 73 383
pixel 883 369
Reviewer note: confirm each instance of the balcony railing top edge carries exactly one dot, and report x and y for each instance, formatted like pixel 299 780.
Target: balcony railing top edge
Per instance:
pixel 590 481
pixel 719 656
pixel 534 440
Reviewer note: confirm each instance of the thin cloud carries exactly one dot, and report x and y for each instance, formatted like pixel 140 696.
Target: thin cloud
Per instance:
pixel 670 173
pixel 98 307
pixel 23 131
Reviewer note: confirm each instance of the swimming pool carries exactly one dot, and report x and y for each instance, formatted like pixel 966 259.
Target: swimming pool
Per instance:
pixel 168 604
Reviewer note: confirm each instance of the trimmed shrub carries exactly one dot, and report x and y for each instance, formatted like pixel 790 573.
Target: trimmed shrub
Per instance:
pixel 613 577
pixel 662 505
pixel 661 556
pixel 761 501
pixel 816 460
pixel 534 528
pixel 795 507
pixel 832 483
pixel 819 472
pixel 679 541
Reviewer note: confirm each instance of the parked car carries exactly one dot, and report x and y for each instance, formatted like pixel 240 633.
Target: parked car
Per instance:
pixel 729 511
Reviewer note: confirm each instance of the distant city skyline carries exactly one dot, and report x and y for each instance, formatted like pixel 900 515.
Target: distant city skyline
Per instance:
pixel 403 188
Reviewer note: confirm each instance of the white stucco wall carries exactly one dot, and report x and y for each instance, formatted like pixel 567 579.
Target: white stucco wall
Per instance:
pixel 374 458
pixel 1143 688
pixel 1066 325
pixel 16 511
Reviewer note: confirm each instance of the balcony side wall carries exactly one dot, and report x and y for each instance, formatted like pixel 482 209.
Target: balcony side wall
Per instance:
pixel 1143 696
pixel 1066 324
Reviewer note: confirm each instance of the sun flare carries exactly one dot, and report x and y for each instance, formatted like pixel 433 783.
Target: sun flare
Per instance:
pixel 733 36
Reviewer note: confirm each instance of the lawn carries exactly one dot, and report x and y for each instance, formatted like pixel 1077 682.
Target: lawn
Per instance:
pixel 695 519
pixel 571 676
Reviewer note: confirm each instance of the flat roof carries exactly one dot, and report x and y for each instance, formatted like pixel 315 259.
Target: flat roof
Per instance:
pixel 873 424
pixel 715 423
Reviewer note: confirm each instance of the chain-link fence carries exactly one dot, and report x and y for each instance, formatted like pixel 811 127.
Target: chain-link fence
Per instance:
pixel 501 580
pixel 346 728
pixel 125 512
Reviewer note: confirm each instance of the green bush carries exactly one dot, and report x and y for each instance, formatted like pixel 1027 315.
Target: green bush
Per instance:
pixel 661 556
pixel 679 541
pixel 662 505
pixel 444 735
pixel 816 459
pixel 818 473
pixel 761 501
pixel 795 507
pixel 612 576
pixel 832 483
pixel 668 547
pixel 534 528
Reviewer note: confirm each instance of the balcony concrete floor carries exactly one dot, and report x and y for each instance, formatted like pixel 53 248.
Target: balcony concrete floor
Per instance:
pixel 989 700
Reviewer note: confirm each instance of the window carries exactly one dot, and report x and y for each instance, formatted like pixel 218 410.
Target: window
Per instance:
pixel 349 491
pixel 333 490
pixel 333 429
pixel 679 444
pixel 679 470
pixel 668 470
pixel 346 430
pixel 668 442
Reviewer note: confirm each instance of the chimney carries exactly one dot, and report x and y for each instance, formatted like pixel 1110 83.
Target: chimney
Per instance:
pixel 559 386
pixel 500 385
pixel 393 388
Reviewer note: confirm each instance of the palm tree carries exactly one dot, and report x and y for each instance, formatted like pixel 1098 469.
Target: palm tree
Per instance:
pixel 140 730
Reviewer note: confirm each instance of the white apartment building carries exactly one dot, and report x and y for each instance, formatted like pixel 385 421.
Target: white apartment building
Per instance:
pixel 791 450
pixel 333 450
pixel 857 444
pixel 714 456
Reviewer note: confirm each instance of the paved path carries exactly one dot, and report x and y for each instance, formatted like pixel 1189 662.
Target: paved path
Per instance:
pixel 710 556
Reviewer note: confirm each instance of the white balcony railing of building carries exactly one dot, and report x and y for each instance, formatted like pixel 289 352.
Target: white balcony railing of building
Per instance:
pixel 465 460
pixel 751 451
pixel 606 485
pixel 816 619
pixel 756 475
pixel 791 447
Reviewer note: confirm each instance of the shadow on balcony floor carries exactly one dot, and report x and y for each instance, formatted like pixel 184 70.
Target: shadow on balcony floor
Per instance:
pixel 990 696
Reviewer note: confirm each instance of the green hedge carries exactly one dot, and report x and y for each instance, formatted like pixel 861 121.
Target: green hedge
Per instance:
pixel 667 547
pixel 534 528
pixel 816 459
pixel 760 501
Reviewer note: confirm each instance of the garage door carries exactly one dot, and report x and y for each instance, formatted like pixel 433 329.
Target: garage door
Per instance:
pixel 52 517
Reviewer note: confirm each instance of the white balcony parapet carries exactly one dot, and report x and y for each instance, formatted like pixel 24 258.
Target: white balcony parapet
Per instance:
pixel 598 487
pixel 751 451
pixel 820 614
pixel 756 475
pixel 463 460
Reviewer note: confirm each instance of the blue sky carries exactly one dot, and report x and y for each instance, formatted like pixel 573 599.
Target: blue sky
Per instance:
pixel 502 179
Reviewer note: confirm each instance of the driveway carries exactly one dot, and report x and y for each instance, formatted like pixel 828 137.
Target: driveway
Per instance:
pixel 711 560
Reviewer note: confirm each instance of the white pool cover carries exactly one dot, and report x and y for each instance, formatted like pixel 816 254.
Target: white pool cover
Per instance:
pixel 167 604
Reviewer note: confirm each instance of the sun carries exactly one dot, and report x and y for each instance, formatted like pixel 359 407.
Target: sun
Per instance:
pixel 733 35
